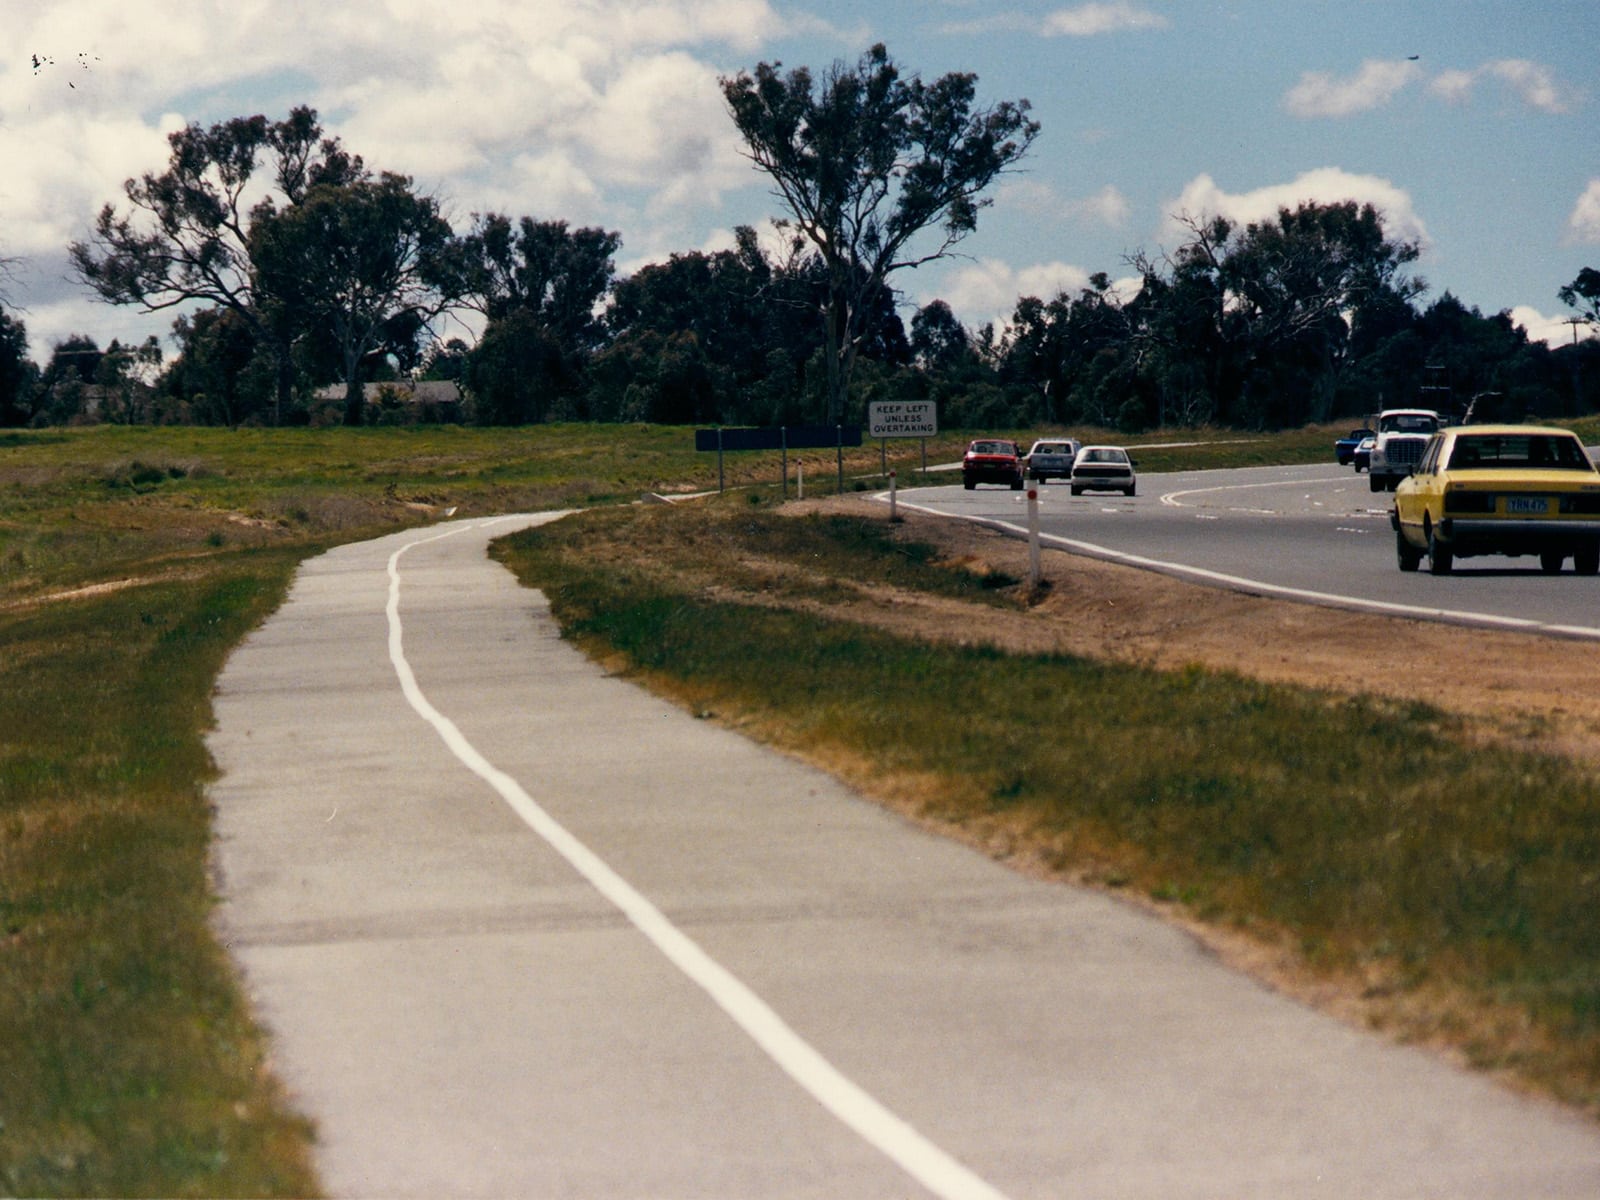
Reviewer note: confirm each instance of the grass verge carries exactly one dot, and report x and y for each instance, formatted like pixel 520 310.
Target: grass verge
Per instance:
pixel 128 1062
pixel 131 562
pixel 1453 887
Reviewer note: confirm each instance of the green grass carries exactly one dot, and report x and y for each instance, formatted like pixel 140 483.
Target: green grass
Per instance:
pixel 1372 835
pixel 130 1063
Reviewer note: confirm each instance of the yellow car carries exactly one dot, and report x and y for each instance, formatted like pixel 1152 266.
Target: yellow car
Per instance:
pixel 1500 489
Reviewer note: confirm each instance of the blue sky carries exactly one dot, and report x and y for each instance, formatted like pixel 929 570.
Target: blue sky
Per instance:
pixel 1484 146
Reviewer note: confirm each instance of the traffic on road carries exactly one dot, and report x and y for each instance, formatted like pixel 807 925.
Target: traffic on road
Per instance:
pixel 1314 533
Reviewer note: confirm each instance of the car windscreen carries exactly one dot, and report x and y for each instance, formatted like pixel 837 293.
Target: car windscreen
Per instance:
pixel 1104 456
pixel 992 448
pixel 1408 423
pixel 1494 452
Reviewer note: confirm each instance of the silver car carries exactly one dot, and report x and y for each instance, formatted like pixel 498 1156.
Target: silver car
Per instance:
pixel 1052 459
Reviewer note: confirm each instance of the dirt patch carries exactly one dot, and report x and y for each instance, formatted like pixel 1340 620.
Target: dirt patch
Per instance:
pixel 96 589
pixel 1511 688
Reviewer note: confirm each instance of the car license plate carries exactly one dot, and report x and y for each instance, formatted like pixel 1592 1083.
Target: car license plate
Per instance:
pixel 1527 504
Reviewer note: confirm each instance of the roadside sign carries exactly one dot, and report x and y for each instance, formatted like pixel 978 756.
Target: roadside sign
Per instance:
pixel 902 419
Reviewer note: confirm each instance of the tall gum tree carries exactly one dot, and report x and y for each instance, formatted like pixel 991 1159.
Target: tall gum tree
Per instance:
pixel 184 236
pixel 865 161
pixel 354 260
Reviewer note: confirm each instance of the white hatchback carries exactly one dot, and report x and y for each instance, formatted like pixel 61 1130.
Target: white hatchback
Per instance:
pixel 1103 469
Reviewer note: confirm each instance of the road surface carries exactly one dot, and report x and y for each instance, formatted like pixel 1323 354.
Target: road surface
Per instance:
pixel 1312 532
pixel 517 928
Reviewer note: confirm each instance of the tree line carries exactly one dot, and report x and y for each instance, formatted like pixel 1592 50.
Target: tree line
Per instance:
pixel 300 276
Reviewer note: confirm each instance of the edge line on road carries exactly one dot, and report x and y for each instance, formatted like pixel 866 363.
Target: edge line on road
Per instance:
pixel 1238 583
pixel 892 1136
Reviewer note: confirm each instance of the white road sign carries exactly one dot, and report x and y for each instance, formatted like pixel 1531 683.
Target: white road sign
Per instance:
pixel 898 419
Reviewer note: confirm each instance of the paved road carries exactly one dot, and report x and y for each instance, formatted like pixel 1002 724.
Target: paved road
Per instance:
pixel 1315 531
pixel 519 929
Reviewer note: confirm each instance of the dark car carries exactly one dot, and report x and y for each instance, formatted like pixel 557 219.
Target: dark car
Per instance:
pixel 992 460
pixel 1345 448
pixel 1362 458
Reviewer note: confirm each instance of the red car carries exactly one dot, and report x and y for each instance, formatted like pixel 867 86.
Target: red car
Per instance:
pixel 992 460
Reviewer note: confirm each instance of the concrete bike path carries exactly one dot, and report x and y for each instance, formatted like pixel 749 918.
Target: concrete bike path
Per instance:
pixel 518 928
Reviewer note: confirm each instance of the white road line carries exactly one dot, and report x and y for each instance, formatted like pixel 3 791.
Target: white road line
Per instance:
pixel 1171 498
pixel 1260 587
pixel 921 1159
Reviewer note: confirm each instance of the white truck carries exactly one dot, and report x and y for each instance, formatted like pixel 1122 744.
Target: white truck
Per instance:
pixel 1397 445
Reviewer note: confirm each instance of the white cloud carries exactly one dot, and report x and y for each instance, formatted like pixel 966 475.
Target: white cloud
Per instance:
pixel 1202 197
pixel 1320 94
pixel 1085 20
pixel 62 167
pixel 987 290
pixel 1584 224
pixel 1090 20
pixel 1535 84
pixel 615 88
pixel 1454 86
pixel 595 111
pixel 1108 206
pixel 1553 331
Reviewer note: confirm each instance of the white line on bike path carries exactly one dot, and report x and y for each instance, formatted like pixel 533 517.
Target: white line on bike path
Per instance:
pixel 888 1133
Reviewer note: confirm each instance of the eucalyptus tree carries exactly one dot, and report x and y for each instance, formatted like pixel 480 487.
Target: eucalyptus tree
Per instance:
pixel 706 337
pixel 184 235
pixel 18 374
pixel 558 273
pixel 355 262
pixel 1583 294
pixel 540 285
pixel 865 160
pixel 1265 312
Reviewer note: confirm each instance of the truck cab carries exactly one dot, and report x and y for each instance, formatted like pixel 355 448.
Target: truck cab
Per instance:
pixel 1402 434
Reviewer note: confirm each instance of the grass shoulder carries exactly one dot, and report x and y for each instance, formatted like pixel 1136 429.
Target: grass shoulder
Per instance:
pixel 1367 852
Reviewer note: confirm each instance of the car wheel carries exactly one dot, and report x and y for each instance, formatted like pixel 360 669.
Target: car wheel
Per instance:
pixel 969 484
pixel 1076 490
pixel 1133 488
pixel 1440 557
pixel 1550 562
pixel 1016 484
pixel 1410 557
pixel 1375 483
pixel 1587 560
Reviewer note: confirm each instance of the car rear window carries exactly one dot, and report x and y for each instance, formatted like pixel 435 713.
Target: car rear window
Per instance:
pixel 1491 452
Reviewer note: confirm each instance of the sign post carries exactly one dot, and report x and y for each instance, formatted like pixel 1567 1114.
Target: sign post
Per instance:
pixel 783 438
pixel 1033 537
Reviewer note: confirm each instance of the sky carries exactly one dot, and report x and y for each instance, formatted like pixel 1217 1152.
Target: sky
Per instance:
pixel 1473 125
